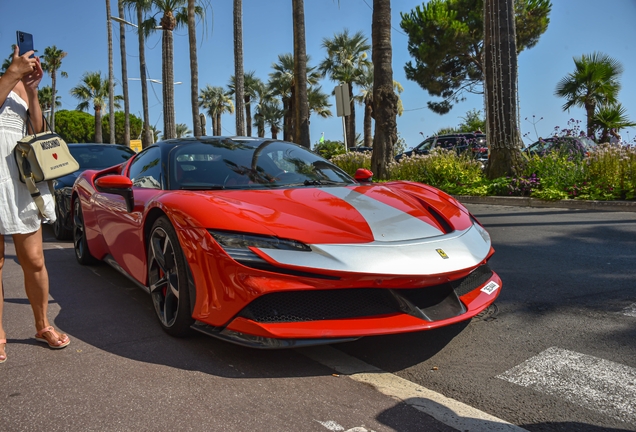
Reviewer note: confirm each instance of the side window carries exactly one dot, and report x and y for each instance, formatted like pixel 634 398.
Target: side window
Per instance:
pixel 447 143
pixel 145 169
pixel 426 145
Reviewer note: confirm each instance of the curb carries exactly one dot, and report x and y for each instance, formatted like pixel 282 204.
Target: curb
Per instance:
pixel 621 206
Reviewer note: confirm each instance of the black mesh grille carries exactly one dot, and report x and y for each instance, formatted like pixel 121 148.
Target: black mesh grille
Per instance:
pixel 473 281
pixel 297 306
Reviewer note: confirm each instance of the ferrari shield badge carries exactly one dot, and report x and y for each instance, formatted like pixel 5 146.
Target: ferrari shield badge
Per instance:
pixel 442 253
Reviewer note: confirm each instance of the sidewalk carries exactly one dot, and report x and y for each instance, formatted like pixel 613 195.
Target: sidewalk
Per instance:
pixel 622 206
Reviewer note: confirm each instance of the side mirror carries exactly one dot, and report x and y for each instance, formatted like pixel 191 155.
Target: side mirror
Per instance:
pixel 363 175
pixel 117 185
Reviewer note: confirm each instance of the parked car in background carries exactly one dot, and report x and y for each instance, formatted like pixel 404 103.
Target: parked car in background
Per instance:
pixel 569 145
pixel 360 149
pixel 89 156
pixel 474 142
pixel 266 244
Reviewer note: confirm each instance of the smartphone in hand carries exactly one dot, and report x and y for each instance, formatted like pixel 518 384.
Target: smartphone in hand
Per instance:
pixel 25 42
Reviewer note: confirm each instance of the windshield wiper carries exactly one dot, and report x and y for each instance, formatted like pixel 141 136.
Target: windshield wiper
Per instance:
pixel 196 186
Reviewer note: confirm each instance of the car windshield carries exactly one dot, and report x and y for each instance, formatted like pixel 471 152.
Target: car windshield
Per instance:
pixel 100 156
pixel 236 164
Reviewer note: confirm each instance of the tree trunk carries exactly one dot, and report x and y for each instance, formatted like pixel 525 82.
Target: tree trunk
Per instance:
pixel 169 126
pixel 218 124
pixel 248 115
pixel 124 75
pixel 147 136
pixel 385 100
pixel 111 85
pixel 53 91
pixel 194 70
pixel 590 108
pixel 301 113
pixel 213 130
pixel 500 76
pixel 98 125
pixel 368 123
pixel 239 78
pixel 288 118
pixel 351 120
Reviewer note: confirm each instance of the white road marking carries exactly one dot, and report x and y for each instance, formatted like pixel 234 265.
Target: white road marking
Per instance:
pixel 333 426
pixel 630 310
pixel 446 410
pixel 591 382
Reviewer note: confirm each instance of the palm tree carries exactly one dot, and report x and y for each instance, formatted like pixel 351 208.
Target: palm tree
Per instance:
pixel 594 82
pixel 194 68
pixel 345 62
pixel 111 83
pixel 385 101
pixel 262 95
pixel 140 7
pixel 281 83
pixel 301 112
pixel 365 97
pixel 251 84
pixel 51 63
pixel 45 96
pixel 500 88
pixel 93 90
pixel 124 74
pixel 182 130
pixel 609 117
pixel 239 85
pixel 318 102
pixel 216 101
pixel 174 14
pixel 272 114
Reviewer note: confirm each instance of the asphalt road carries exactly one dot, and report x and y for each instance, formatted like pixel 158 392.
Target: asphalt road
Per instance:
pixel 557 353
pixel 569 286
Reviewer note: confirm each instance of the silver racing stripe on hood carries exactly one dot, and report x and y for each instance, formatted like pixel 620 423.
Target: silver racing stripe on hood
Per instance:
pixel 387 223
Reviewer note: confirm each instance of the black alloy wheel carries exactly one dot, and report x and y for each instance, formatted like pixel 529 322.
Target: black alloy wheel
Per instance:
pixel 59 230
pixel 168 279
pixel 82 254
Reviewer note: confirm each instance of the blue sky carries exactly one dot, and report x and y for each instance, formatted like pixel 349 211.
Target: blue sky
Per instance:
pixel 79 28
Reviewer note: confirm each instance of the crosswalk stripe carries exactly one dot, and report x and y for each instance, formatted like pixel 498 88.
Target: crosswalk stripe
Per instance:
pixel 446 410
pixel 594 383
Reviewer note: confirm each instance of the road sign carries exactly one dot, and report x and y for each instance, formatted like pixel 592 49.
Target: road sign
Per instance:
pixel 135 145
pixel 343 103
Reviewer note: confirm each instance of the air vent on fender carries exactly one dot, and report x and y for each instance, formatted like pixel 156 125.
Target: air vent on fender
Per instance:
pixel 441 220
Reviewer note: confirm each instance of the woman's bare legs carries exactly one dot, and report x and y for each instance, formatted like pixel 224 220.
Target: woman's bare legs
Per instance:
pixel 30 254
pixel 3 335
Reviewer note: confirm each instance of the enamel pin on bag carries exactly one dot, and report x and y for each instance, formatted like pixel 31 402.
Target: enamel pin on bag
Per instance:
pixel 42 157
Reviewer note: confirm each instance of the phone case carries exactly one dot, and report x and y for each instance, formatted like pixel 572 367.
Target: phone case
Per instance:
pixel 25 42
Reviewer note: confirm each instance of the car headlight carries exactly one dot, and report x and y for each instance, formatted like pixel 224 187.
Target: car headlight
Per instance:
pixel 237 245
pixel 481 230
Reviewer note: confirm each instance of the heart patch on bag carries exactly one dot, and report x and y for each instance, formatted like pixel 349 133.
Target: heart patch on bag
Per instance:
pixel 55 156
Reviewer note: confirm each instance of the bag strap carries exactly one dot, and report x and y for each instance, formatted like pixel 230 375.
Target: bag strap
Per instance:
pixel 36 195
pixel 47 126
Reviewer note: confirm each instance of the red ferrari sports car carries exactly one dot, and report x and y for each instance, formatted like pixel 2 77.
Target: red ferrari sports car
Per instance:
pixel 264 243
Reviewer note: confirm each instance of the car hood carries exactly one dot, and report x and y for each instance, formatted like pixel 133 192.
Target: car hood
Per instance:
pixel 391 229
pixel 392 212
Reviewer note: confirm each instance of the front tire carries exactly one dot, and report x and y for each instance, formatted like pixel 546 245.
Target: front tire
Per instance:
pixel 80 244
pixel 168 279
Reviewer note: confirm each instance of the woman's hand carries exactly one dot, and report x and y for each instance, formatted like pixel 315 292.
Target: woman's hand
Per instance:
pixel 22 65
pixel 32 80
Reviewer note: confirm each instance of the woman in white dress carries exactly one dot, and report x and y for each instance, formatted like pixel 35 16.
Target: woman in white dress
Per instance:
pixel 19 215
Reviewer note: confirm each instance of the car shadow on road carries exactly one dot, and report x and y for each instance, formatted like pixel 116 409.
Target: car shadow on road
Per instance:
pixel 103 309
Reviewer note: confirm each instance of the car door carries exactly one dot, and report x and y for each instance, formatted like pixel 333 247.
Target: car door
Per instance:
pixel 122 230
